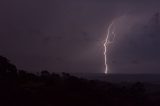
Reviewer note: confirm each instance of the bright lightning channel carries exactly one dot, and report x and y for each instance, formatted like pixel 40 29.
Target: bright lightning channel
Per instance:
pixel 108 41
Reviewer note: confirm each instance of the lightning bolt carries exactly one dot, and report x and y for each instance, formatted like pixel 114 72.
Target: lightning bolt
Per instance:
pixel 108 41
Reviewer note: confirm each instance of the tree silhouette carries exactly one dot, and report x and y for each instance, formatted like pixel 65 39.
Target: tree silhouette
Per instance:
pixel 45 73
pixel 7 68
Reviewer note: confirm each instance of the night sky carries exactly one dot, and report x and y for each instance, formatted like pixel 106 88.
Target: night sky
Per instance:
pixel 68 35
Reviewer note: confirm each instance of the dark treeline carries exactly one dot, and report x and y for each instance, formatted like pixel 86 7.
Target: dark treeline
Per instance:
pixel 20 88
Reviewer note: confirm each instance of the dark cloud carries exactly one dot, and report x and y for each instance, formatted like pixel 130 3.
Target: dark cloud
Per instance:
pixel 140 48
pixel 68 35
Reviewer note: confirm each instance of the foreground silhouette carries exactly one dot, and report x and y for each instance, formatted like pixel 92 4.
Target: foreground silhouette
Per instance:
pixel 20 88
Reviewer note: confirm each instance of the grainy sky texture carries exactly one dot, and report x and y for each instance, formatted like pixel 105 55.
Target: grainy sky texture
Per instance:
pixel 68 35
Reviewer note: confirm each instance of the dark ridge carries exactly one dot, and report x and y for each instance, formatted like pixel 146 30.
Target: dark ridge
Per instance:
pixel 20 88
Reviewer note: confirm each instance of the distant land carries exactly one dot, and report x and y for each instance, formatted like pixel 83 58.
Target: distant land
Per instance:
pixel 118 78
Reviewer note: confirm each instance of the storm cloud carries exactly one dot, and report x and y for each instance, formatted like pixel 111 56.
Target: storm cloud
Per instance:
pixel 68 35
